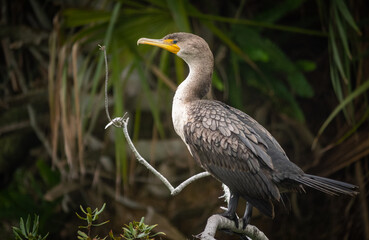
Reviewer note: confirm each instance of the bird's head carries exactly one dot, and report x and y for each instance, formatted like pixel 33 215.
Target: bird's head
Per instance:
pixel 187 46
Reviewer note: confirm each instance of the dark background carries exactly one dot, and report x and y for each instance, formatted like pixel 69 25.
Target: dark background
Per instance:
pixel 300 68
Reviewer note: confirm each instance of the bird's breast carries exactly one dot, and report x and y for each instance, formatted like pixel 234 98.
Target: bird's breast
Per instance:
pixel 179 116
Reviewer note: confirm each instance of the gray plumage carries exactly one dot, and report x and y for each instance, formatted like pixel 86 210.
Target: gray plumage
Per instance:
pixel 228 143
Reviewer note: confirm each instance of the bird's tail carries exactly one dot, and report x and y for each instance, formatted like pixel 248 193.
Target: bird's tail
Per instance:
pixel 329 186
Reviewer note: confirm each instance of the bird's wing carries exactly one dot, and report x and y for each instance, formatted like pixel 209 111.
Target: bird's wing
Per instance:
pixel 258 129
pixel 232 152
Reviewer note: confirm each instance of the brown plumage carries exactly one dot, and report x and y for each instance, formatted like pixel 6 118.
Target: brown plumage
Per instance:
pixel 228 143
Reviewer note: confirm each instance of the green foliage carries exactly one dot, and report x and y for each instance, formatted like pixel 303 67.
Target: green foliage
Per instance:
pixel 342 30
pixel 348 83
pixel 132 231
pixel 28 230
pixel 90 218
pixel 25 194
pixel 278 77
pixel 139 230
pixel 349 99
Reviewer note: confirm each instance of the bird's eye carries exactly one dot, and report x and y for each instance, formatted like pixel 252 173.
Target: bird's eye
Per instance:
pixel 175 41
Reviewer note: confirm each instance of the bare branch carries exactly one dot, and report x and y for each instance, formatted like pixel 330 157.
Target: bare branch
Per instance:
pixel 122 122
pixel 216 222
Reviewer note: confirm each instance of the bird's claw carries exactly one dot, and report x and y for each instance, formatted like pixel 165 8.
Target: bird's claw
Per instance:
pixel 245 222
pixel 247 216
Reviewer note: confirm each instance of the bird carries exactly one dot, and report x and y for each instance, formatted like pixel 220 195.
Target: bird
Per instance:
pixel 228 143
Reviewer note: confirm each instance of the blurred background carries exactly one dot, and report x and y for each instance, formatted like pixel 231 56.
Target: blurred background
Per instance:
pixel 300 68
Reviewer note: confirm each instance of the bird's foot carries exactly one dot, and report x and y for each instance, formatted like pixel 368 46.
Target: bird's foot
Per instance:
pixel 245 222
pixel 247 216
pixel 231 216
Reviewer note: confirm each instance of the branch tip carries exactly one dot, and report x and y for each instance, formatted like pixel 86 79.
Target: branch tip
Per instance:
pixel 101 47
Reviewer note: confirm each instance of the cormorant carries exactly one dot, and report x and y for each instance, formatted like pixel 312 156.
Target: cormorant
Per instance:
pixel 228 143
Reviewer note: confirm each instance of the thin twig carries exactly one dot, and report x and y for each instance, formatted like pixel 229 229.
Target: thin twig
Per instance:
pixel 122 122
pixel 102 48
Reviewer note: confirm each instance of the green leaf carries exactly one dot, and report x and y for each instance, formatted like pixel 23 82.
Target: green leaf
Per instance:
pixel 180 69
pixel 36 224
pixel 259 24
pixel 336 82
pixel 141 235
pixel 360 90
pixel 101 210
pixel 235 85
pixel 278 62
pixel 342 34
pixel 28 225
pixel 179 14
pixel 16 232
pixel 286 101
pixel 134 232
pixel 22 227
pixel 279 9
pixel 130 226
pixel 97 75
pixel 82 234
pixel 142 221
pixel 226 39
pixel 306 65
pixel 258 54
pixel 342 7
pixel 80 206
pixel 119 109
pixel 335 53
pixel 233 46
pixel 355 127
pixel 81 17
pixel 217 82
pixel 100 224
pixel 154 107
pixel 300 85
pixel 45 236
pixel 82 218
pixel 158 233
pixel 95 217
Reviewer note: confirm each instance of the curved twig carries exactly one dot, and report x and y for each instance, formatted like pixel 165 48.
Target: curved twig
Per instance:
pixel 122 122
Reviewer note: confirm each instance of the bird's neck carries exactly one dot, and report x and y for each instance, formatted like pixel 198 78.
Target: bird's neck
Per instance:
pixel 198 82
pixel 194 87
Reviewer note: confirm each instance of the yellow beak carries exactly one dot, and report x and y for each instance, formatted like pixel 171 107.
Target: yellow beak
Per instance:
pixel 167 44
